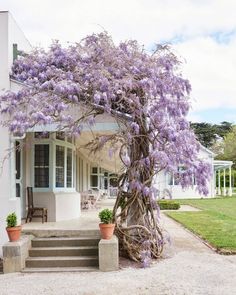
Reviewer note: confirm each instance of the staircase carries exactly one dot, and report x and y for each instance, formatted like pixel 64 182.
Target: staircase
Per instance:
pixel 63 254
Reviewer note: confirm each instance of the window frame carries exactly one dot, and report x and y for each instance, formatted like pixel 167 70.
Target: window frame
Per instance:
pixel 42 142
pixel 53 142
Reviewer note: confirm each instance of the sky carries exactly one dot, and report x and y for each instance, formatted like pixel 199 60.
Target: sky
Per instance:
pixel 202 33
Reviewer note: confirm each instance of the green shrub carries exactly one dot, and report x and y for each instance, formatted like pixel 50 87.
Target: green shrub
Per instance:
pixel 11 220
pixel 106 216
pixel 168 205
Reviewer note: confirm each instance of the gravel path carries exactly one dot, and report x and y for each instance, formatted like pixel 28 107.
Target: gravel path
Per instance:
pixel 191 268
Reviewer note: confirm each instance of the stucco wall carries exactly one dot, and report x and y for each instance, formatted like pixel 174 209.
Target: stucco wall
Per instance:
pixel 177 192
pixel 9 34
pixel 67 206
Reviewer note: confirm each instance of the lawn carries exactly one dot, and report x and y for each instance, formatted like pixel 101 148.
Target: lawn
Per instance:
pixel 216 223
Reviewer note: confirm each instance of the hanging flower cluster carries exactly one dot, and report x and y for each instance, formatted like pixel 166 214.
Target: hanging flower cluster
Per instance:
pixel 144 92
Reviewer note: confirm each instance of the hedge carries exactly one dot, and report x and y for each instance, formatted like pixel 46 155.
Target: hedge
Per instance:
pixel 168 205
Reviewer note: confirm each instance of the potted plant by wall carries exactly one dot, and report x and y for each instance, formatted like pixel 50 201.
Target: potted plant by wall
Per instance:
pixel 13 230
pixel 106 226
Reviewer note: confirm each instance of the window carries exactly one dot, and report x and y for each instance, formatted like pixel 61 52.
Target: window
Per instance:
pixel 18 169
pixel 41 165
pixel 170 179
pixel 60 165
pixel 41 135
pixel 64 167
pixel 175 179
pixel 94 177
pixel 60 136
pixel 113 181
pixel 62 171
pixel 94 170
pixel 18 160
pixel 70 139
pixel 94 181
pixel 69 168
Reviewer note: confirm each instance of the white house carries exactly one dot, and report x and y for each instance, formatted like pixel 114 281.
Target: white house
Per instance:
pixel 55 165
pixel 168 186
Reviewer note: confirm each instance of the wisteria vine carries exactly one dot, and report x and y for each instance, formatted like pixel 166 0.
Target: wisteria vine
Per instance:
pixel 148 98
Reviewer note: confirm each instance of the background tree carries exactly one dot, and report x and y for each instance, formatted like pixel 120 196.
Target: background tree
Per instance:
pixel 208 134
pixel 149 99
pixel 228 147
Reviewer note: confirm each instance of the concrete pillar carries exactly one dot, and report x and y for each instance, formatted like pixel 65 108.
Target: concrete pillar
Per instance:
pixel 15 253
pixel 108 254
pixel 230 182
pixel 219 190
pixel 215 184
pixel 224 189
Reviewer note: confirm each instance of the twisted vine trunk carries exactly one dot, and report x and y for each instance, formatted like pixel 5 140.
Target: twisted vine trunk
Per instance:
pixel 136 210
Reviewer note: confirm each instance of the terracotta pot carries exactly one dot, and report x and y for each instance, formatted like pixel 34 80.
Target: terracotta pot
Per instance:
pixel 14 233
pixel 107 230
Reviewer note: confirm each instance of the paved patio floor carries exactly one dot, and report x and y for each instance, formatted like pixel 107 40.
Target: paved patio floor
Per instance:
pixel 87 221
pixel 190 267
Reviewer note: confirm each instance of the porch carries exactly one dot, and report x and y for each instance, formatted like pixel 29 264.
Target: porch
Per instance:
pixel 72 245
pixel 87 224
pixel 60 170
pixel 222 171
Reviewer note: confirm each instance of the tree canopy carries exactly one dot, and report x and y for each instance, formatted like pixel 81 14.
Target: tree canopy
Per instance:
pixel 149 99
pixel 208 133
pixel 227 147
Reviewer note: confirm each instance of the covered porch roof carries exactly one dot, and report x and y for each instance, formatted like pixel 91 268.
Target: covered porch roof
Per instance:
pixel 221 164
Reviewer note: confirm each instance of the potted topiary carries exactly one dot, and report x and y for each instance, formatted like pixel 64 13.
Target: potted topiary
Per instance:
pixel 106 226
pixel 13 230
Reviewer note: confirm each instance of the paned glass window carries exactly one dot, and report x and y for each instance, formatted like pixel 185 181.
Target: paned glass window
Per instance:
pixel 60 166
pixel 94 181
pixel 41 135
pixel 94 170
pixel 69 168
pixel 18 160
pixel 69 139
pixel 41 165
pixel 60 135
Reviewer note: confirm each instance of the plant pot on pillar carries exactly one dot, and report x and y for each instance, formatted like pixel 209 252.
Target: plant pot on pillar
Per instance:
pixel 12 229
pixel 106 226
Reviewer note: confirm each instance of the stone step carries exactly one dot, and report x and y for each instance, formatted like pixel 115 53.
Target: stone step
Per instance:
pixel 48 232
pixel 65 242
pixel 59 269
pixel 61 261
pixel 64 251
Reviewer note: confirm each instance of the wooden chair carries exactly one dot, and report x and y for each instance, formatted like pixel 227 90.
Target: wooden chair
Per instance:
pixel 40 211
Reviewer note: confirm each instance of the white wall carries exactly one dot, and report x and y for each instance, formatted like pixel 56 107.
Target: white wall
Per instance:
pixel 161 182
pixel 9 34
pixel 4 73
pixel 82 175
pixel 67 206
pixel 8 202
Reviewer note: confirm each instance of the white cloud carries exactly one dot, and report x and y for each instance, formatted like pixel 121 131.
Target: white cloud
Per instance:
pixel 148 21
pixel 210 67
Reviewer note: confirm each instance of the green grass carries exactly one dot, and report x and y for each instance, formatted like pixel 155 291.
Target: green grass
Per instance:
pixel 216 223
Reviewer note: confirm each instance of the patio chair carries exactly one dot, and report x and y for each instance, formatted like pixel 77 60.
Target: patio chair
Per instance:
pixel 89 199
pixel 95 196
pixel 35 211
pixel 85 202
